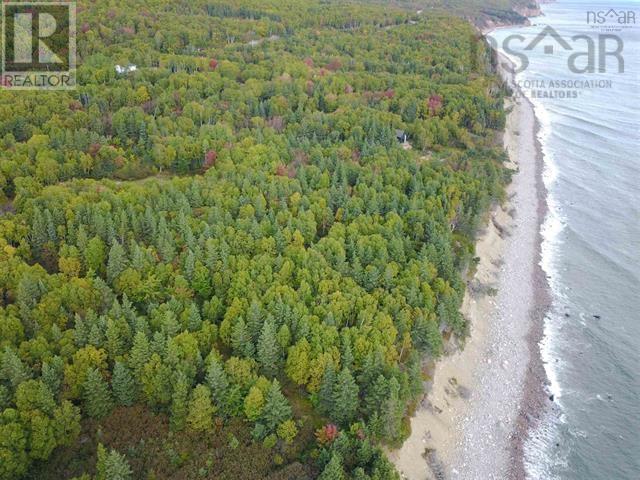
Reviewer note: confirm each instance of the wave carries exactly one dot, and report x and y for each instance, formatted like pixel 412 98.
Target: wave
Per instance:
pixel 591 125
pixel 540 461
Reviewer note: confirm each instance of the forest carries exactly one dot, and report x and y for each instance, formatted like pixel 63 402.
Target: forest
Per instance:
pixel 223 263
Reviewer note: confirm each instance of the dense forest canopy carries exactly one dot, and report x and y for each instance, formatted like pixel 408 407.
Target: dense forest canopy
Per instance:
pixel 224 264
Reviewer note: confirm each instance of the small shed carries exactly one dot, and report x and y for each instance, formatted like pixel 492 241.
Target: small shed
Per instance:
pixel 402 136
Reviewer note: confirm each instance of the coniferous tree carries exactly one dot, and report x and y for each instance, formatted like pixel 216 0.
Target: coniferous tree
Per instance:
pixel 189 265
pixel 268 349
pixel 39 236
pixel 52 372
pixel 217 381
pixel 194 320
pixel 112 465
pixel 180 401
pixel 276 408
pixel 80 332
pixel 123 385
pixel 254 320
pixel 346 357
pixel 12 369
pixel 140 353
pixel 240 339
pixel 393 411
pixel 376 394
pixel 97 398
pixel 114 341
pixel 345 398
pixel 325 394
pixel 117 262
pixel 333 470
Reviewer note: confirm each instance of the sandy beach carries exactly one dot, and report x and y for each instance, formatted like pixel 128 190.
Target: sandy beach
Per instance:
pixel 483 399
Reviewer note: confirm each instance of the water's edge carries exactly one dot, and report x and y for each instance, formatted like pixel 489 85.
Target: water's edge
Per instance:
pixel 536 399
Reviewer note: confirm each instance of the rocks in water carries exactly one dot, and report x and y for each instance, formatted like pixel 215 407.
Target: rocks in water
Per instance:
pixel 552 397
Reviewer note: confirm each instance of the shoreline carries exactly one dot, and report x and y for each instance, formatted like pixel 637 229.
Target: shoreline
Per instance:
pixel 535 396
pixel 462 408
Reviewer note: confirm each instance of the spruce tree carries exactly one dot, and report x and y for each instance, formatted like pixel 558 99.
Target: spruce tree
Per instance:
pixel 376 394
pixel 12 368
pixel 276 408
pixel 189 265
pixel 114 342
pixel 111 465
pixel 140 353
pixel 180 402
pixel 96 336
pixel 38 234
pixel 97 397
pixel 393 412
pixel 117 262
pixel 80 332
pixel 123 385
pixel 240 339
pixel 254 320
pixel 268 349
pixel 217 380
pixel 52 371
pixel 333 470
pixel 325 394
pixel 346 356
pixel 345 398
pixel 194 320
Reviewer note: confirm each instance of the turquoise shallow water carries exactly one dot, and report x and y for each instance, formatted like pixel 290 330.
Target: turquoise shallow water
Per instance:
pixel 591 248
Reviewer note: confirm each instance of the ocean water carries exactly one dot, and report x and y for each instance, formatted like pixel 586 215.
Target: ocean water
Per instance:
pixel 590 136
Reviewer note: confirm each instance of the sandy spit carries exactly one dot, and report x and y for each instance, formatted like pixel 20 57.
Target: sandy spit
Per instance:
pixel 483 400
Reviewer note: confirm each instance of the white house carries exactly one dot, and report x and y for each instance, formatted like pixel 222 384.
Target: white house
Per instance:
pixel 129 68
